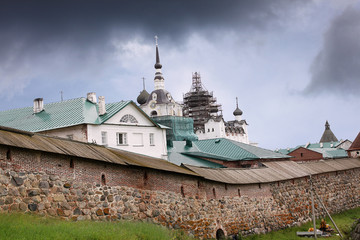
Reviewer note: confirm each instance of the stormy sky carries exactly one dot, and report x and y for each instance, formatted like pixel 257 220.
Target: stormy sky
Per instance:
pixel 292 64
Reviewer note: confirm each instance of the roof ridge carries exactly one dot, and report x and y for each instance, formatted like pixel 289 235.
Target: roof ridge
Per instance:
pixel 45 104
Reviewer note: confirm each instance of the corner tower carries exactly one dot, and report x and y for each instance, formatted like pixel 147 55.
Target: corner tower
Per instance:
pixel 328 135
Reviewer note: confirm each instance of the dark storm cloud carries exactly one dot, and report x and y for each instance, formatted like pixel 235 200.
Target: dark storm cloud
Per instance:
pixel 336 68
pixel 88 21
pixel 35 36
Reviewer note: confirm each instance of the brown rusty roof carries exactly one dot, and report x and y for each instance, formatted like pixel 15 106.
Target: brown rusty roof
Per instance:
pixel 356 144
pixel 274 171
pixel 39 142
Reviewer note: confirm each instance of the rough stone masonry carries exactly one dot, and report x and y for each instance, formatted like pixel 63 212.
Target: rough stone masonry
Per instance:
pixel 45 184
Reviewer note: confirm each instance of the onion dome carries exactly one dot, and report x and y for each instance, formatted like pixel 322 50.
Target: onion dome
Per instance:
pixel 142 98
pixel 237 111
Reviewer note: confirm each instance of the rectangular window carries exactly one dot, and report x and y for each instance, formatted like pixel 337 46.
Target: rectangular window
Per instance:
pixel 137 140
pixel 152 139
pixel 121 138
pixel 104 138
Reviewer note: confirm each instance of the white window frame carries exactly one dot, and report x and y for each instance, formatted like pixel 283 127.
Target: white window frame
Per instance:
pixel 104 138
pixel 137 136
pixel 123 137
pixel 152 139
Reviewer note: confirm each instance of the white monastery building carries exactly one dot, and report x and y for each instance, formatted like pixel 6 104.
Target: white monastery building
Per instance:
pixel 122 125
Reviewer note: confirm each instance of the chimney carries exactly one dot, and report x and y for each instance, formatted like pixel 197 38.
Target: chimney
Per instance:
pixel 38 105
pixel 102 109
pixel 91 97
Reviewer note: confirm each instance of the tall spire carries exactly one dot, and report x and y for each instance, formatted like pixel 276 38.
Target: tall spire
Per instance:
pixel 157 64
pixel 159 79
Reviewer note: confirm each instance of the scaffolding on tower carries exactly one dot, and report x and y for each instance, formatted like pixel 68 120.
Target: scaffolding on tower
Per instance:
pixel 200 104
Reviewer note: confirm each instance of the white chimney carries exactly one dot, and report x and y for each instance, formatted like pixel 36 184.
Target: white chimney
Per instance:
pixel 91 96
pixel 38 105
pixel 102 109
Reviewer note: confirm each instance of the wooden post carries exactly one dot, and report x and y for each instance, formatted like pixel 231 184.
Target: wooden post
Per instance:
pixel 312 206
pixel 329 215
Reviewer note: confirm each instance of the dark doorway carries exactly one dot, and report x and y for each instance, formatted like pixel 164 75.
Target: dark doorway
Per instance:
pixel 220 234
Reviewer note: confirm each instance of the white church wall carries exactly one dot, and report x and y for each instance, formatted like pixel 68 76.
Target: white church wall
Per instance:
pixel 142 137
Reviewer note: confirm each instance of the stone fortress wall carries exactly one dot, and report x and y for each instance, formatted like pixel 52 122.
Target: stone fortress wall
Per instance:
pixel 80 189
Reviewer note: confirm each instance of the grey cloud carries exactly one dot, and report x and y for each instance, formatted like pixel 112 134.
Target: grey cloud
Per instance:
pixel 36 32
pixel 89 21
pixel 336 68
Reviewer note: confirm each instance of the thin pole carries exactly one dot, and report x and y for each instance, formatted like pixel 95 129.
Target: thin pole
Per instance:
pixel 313 207
pixel 328 214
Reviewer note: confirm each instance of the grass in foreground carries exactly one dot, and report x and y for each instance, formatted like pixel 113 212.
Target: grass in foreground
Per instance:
pixel 28 226
pixel 343 220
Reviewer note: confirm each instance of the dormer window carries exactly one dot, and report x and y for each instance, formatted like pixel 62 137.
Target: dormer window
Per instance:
pixel 154 96
pixel 128 118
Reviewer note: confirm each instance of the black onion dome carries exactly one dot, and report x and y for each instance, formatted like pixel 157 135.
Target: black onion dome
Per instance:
pixel 158 65
pixel 141 99
pixel 237 112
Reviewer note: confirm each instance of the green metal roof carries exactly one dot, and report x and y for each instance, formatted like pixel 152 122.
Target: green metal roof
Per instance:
pixel 176 156
pixel 229 150
pixel 327 149
pixel 58 115
pixel 331 152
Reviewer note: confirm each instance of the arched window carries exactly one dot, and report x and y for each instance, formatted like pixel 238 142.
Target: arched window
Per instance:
pixel 128 118
pixel 153 113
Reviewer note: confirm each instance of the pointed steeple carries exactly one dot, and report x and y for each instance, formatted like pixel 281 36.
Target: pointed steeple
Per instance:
pixel 328 135
pixel 159 79
pixel 157 64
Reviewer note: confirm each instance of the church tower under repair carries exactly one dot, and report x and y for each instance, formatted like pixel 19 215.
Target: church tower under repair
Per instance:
pixel 202 107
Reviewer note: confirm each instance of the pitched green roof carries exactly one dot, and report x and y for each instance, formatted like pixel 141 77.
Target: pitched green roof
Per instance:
pixel 331 152
pixel 229 150
pixel 176 156
pixel 58 115
pixel 327 149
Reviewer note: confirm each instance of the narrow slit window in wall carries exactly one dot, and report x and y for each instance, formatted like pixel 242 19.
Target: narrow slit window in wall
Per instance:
pixel 103 179
pixel 239 193
pixel 145 178
pixel 214 192
pixel 182 191
pixel 71 163
pixel 8 155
